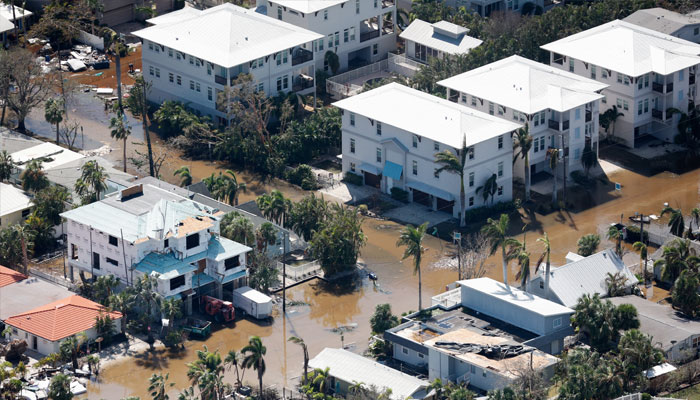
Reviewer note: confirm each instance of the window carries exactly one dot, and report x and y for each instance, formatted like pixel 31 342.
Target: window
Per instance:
pixel 640 107
pixel 261 87
pixel 619 103
pixel 420 355
pixel 436 174
pixel 556 322
pixel 680 95
pixel 415 167
pixel 571 64
pixel 500 142
pixel 191 60
pixel 500 190
pixel 404 350
pixel 375 3
pixel 191 85
pixel 577 132
pixel 337 39
pixel 541 285
pixel 501 110
pixel 646 80
pixel 463 98
pixel 198 87
pixel 471 201
pixel 320 44
pixel 472 369
pixel 352 119
pixel 379 155
pixel 113 241
pixel 577 154
pixel 500 169
pixel 379 128
pixel 208 69
pixel 542 143
pixel 352 33
pixel 171 77
pixel 577 114
pixel 209 94
pixel 179 80
pixel 619 78
pixel 352 145
pixel 95 260
pixel 604 100
pixel 375 49
pixel 357 6
pixel 346 35
pixel 112 261
pixel 166 243
pixel 325 14
pixel 330 40
pixel 483 373
pixel 352 166
pixel 696 31
pixel 150 46
pixel 436 146
pixel 604 73
pixel 151 70
pixel 471 179
pixel 232 262
pixel 192 241
pixel 471 153
pixel 625 105
pixel 473 100
pixel 542 117
pixel 535 144
pixel 593 72
pixel 415 141
pixel 490 108
pixel 627 80
pixel 681 75
pixel 177 55
pixel 646 105
pixel 157 72
pixel 177 282
pixel 170 53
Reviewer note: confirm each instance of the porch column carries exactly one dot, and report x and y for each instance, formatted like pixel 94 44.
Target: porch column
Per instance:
pixel 188 304
pixel 219 291
pixel 434 199
pixel 70 269
pixel 380 20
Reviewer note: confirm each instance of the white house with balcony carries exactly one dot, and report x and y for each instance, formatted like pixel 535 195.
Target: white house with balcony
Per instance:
pixel 646 73
pixel 391 135
pixel 193 55
pixel 560 108
pixel 425 40
pixel 360 32
pixel 146 230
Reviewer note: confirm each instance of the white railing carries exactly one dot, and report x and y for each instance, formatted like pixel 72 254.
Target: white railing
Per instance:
pixel 448 299
pixel 302 271
pixel 400 64
pixel 340 84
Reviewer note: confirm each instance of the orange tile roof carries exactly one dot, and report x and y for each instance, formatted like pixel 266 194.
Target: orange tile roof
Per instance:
pixel 61 319
pixel 10 276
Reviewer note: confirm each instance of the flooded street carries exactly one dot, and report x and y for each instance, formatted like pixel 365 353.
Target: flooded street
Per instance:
pixel 328 308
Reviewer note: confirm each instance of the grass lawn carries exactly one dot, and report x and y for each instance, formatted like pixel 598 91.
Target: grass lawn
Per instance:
pixel 691 393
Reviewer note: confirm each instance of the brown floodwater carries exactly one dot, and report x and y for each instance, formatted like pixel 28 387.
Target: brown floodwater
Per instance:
pixel 332 310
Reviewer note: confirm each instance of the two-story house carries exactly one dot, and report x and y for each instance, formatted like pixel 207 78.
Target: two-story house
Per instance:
pixel 359 32
pixel 646 73
pixel 425 40
pixel 684 26
pixel 560 108
pixel 486 7
pixel 145 230
pixel 193 55
pixel 391 135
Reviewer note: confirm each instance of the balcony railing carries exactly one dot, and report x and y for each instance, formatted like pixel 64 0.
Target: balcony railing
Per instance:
pixel 302 82
pixel 589 115
pixel 365 36
pixel 657 114
pixel 657 87
pixel 301 56
pixel 555 125
pixel 220 79
pixel 691 80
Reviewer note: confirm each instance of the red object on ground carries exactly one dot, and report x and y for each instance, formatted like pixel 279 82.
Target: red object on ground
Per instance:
pixel 219 308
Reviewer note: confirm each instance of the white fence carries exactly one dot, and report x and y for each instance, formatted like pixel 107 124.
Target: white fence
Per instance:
pixel 400 64
pixel 298 272
pixel 91 40
pixel 448 299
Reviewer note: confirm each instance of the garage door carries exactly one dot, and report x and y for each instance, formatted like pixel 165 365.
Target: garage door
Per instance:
pixel 119 15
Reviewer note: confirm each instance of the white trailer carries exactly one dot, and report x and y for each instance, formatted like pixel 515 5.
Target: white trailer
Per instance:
pixel 252 302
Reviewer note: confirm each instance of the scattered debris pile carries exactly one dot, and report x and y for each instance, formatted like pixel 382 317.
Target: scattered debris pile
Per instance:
pixel 498 352
pixel 79 58
pixel 14 351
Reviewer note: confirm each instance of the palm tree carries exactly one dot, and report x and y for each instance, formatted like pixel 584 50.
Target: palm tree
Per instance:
pixel 412 239
pixel 6 166
pixel 615 284
pixel 588 158
pixel 53 113
pixel 255 358
pixel 233 360
pixel 33 177
pixel 171 309
pixel 332 60
pixel 184 174
pixel 321 379
pixel 553 156
pixel 71 347
pixel 120 130
pixel 546 254
pixel 609 117
pixel 497 232
pixel 519 252
pixel 455 164
pixel 677 256
pixel 675 222
pixel 158 386
pixel 300 342
pixel 207 373
pixel 489 188
pixel 588 244
pixel 274 206
pixel 522 143
pixel 122 302
pixel 694 218
pixel 229 187
pixel 26 237
pixel 616 235
pixel 92 182
pixel 642 249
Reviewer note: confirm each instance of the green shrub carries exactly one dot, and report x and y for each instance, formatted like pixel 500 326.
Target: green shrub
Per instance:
pixel 303 176
pixel 353 179
pixel 481 213
pixel 633 234
pixel 173 338
pixel 399 194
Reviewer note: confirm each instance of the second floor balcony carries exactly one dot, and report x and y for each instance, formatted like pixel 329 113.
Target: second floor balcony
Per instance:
pixel 557 126
pixel 589 115
pixel 365 36
pixel 300 56
pixel 662 88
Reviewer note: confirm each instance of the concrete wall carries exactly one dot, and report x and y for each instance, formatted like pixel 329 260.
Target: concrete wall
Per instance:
pixel 47 347
pixel 409 356
pixel 10 219
pixel 486 161
pixel 449 368
pixel 336 20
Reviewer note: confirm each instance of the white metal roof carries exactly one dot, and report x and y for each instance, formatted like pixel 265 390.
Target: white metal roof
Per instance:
pixel 308 6
pixel 175 16
pixel 526 86
pixel 12 199
pixel 350 367
pixel 53 156
pixel 227 35
pixel 587 276
pixel 629 49
pixel 426 115
pixel 659 370
pixel 432 35
pixel 253 294
pixel 662 20
pixel 516 297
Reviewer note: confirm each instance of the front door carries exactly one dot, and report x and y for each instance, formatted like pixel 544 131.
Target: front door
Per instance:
pixel 35 344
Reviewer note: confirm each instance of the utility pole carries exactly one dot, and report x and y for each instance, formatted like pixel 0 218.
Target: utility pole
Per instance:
pixel 285 236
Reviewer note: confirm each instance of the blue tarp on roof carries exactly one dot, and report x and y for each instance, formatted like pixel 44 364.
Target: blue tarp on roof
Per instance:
pixel 393 170
pixel 239 274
